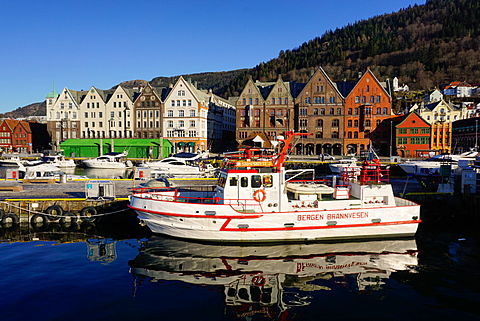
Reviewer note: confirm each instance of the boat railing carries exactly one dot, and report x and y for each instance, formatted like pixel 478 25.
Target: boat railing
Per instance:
pixel 201 195
pixel 327 182
pixel 404 202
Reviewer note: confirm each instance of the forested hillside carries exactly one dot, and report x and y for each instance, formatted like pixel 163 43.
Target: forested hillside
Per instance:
pixel 424 46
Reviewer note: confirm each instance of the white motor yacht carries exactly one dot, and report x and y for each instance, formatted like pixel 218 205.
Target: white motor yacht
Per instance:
pixel 58 160
pixel 44 171
pixel 109 160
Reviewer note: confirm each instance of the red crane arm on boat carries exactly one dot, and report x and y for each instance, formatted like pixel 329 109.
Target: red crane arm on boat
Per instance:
pixel 287 145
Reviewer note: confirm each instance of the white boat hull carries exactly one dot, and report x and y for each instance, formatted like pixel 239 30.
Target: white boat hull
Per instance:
pixel 221 222
pixel 106 165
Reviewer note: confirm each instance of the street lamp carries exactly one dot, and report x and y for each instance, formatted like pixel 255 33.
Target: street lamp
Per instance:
pixel 391 137
pixel 476 133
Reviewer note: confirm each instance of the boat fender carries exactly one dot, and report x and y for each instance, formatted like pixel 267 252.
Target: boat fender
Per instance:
pixel 35 223
pixel 68 226
pixel 87 214
pixel 10 216
pixel 54 212
pixel 259 280
pixel 260 195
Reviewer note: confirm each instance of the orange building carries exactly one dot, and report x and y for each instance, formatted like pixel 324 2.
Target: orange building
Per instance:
pixel 412 136
pixel 367 107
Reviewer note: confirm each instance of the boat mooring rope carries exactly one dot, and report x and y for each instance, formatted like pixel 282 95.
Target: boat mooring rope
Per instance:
pixel 60 216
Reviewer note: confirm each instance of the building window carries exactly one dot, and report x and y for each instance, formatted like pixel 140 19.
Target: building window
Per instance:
pixel 192 113
pixel 170 113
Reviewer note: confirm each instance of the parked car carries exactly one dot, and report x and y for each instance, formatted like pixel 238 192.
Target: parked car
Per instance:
pixel 325 156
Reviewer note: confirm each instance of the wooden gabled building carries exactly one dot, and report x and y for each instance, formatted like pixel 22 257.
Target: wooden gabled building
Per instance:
pixel 367 106
pixel 320 111
pixel 264 107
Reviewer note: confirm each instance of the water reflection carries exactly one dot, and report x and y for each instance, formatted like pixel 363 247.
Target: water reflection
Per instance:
pixel 270 279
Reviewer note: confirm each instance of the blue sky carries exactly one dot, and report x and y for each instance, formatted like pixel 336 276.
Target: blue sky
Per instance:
pixel 79 44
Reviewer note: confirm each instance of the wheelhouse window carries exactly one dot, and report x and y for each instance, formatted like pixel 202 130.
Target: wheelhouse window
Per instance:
pixel 244 182
pixel 256 181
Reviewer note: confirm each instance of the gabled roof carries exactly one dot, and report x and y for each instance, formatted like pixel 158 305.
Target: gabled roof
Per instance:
pixel 25 125
pixel 370 73
pixel 324 74
pixel 11 123
pixel 436 104
pixel 409 115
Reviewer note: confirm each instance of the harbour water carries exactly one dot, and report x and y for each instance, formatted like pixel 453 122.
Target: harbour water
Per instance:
pixel 117 270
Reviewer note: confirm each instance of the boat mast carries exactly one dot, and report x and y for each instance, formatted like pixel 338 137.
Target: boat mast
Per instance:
pixel 287 145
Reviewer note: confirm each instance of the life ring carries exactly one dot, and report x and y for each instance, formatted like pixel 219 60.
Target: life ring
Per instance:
pixel 260 198
pixel 54 212
pixel 68 226
pixel 259 280
pixel 87 214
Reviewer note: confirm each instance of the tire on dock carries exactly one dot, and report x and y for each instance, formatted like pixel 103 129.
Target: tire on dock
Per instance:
pixel 39 222
pixel 68 222
pixel 54 212
pixel 87 214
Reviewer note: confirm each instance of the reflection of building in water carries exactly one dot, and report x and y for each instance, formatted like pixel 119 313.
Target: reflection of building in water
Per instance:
pixel 269 280
pixel 101 250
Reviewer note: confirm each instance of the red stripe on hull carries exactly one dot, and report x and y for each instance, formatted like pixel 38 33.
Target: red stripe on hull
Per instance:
pixel 249 229
pixel 197 216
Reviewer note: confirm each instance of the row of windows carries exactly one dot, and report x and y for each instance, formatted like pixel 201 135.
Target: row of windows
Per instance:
pixel 181 103
pixel 4 134
pixel 181 123
pixel 373 99
pixel 181 113
pixel 319 123
pixel 271 112
pixel 149 113
pixel 319 100
pixel 102 134
pixel 100 124
pixel 181 133
pixel 273 101
pixel 413 130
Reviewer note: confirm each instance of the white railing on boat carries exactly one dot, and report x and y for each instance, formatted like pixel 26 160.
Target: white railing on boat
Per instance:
pixel 404 202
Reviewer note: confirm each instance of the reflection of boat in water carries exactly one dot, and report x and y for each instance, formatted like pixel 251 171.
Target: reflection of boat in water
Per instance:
pixel 254 200
pixel 274 277
pixel 110 173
